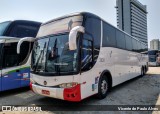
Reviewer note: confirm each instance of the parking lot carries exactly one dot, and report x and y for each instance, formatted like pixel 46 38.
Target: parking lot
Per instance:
pixel 139 91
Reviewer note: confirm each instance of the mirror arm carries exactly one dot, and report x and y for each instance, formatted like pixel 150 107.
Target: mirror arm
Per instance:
pixel 73 36
pixel 28 39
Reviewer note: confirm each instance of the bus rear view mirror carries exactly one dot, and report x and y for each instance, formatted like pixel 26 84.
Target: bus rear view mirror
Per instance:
pixel 28 39
pixel 73 36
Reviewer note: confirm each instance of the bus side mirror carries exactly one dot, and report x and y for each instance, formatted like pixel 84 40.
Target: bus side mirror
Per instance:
pixel 73 36
pixel 28 39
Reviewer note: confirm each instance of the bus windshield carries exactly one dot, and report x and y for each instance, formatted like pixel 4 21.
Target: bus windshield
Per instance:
pixel 152 55
pixel 52 55
pixel 3 27
pixel 153 52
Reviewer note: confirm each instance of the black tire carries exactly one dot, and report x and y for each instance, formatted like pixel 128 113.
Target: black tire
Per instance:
pixel 145 70
pixel 103 87
pixel 142 71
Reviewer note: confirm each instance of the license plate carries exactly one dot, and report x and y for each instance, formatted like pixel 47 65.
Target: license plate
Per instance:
pixel 45 92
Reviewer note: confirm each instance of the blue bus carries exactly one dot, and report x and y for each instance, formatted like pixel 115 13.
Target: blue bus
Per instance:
pixel 14 68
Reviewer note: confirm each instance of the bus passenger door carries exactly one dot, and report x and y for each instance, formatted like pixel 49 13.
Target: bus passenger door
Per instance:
pixel 25 76
pixel 87 75
pixel 87 55
pixel 10 71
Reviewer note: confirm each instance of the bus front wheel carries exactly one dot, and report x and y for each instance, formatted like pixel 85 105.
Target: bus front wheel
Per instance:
pixel 103 87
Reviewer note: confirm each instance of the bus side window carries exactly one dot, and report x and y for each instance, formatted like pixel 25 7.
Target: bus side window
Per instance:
pixel 25 52
pixel 135 46
pixel 86 55
pixel 120 39
pixel 23 31
pixel 128 42
pixel 10 56
pixel 93 27
pixel 109 36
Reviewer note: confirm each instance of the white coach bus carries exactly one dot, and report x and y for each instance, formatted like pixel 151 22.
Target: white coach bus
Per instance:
pixel 80 55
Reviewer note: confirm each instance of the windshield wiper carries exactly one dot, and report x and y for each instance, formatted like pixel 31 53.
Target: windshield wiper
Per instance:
pixel 42 51
pixel 55 49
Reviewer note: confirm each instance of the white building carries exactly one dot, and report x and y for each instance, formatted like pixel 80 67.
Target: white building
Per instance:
pixel 155 44
pixel 132 18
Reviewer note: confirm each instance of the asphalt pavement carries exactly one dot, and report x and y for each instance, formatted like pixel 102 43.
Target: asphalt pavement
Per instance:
pixel 139 91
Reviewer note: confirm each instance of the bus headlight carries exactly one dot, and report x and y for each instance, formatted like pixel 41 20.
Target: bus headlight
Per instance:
pixel 68 85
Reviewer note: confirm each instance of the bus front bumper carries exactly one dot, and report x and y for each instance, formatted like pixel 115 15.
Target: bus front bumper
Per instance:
pixel 152 64
pixel 69 94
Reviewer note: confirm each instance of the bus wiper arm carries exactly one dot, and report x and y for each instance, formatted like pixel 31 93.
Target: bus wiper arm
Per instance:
pixel 38 61
pixel 42 51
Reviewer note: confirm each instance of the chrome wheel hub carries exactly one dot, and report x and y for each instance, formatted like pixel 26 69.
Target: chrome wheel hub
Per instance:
pixel 104 87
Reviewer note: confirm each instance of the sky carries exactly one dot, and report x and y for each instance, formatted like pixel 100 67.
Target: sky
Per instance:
pixel 45 10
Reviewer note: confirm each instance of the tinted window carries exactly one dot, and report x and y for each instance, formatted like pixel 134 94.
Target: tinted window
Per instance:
pixel 146 48
pixel 59 57
pixel 24 55
pixel 109 36
pixel 139 46
pixel 120 37
pixel 128 42
pixel 93 26
pixel 10 56
pixel 23 31
pixel 86 55
pixel 3 27
pixel 153 52
pixel 142 48
pixel 134 43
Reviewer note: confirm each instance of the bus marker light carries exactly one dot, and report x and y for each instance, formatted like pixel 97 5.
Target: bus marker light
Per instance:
pixel 30 85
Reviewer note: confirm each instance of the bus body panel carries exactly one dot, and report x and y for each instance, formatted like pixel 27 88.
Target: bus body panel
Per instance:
pixel 16 77
pixel 10 79
pixel 152 63
pixel 51 80
pixel 25 76
pixel 53 92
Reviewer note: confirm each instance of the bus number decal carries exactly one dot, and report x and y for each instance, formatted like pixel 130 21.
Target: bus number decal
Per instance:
pixel 25 75
pixel 95 85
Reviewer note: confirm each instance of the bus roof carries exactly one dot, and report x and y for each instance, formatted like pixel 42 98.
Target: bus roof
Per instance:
pixel 24 21
pixel 91 15
pixel 70 15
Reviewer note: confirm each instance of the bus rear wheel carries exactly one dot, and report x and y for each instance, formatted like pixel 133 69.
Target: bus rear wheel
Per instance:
pixel 142 71
pixel 103 87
